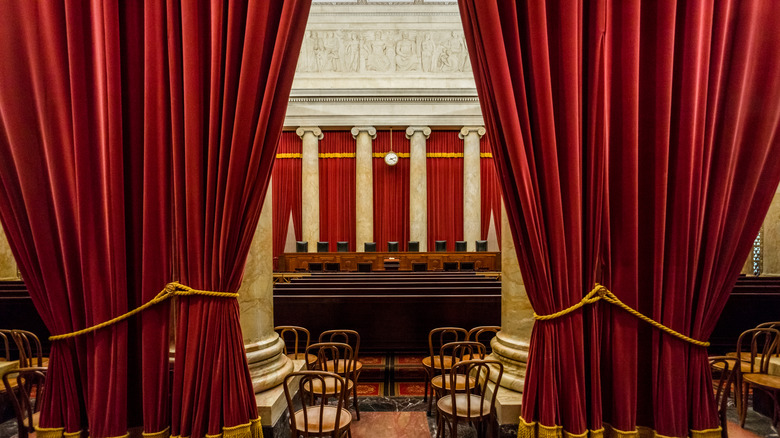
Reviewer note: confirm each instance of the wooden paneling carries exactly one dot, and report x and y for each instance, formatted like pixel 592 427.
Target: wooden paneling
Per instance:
pixel 291 262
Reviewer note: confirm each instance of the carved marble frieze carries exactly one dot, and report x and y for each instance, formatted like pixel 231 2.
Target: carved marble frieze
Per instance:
pixel 384 51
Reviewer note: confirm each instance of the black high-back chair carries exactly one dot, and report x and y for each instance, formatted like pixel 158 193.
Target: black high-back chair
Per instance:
pixel 460 245
pixel 322 247
pixel 392 246
pixel 369 247
pixel 414 246
pixel 342 246
pixel 441 245
pixel 315 267
pixel 301 246
pixel 481 245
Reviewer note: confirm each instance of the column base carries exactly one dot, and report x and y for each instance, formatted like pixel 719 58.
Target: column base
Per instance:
pixel 268 365
pixel 508 404
pixel 513 355
pixel 272 407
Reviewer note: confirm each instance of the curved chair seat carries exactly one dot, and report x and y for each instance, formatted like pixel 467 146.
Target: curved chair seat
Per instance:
pixel 310 358
pixel 328 420
pixel 764 380
pixel 331 388
pixel 460 382
pixel 744 366
pixel 432 362
pixel 465 410
pixel 342 362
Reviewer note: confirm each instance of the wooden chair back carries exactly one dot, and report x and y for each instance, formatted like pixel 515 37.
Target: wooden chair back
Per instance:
pixel 758 346
pixel 291 335
pixel 349 337
pixel 7 346
pixel 475 397
pixel 444 335
pixel 30 350
pixel 459 351
pixel 27 399
pixel 483 334
pixel 317 418
pixel 720 366
pixel 330 353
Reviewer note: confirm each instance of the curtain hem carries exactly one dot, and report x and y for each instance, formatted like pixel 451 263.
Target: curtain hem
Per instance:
pixel 534 429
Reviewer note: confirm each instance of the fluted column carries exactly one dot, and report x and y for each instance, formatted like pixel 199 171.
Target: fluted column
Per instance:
pixel 7 262
pixel 310 184
pixel 472 224
pixel 364 187
pixel 268 365
pixel 510 346
pixel 418 186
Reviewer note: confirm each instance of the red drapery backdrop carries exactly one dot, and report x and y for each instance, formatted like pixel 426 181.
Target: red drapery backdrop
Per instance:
pixel 391 191
pixel 102 101
pixel 444 164
pixel 490 191
pixel 286 187
pixel 337 189
pixel 636 146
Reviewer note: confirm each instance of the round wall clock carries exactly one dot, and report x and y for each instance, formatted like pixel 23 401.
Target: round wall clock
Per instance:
pixel 391 158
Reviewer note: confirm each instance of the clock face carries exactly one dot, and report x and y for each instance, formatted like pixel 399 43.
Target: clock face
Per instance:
pixel 391 158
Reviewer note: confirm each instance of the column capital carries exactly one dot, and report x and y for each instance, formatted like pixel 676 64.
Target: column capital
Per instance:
pixel 369 129
pixel 315 130
pixel 426 131
pixel 466 130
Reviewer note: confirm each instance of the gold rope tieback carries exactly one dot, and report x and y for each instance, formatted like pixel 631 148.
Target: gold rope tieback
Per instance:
pixel 600 292
pixel 171 290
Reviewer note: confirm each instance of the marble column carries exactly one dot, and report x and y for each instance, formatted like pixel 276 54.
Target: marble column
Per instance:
pixel 7 262
pixel 310 184
pixel 771 238
pixel 511 344
pixel 418 185
pixel 268 365
pixel 472 225
pixel 364 185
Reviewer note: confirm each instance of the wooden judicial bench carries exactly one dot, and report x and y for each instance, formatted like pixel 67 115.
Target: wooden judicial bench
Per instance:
pixel 348 261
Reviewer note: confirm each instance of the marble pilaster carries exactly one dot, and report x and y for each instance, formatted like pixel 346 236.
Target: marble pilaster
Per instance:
pixel 771 238
pixel 264 348
pixel 7 262
pixel 364 179
pixel 310 184
pixel 418 185
pixel 511 344
pixel 472 225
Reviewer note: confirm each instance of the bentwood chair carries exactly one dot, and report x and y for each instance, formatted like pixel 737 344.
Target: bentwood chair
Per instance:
pixel 328 354
pixel 442 382
pixel 293 336
pixel 436 338
pixel 4 335
pixel 762 344
pixel 351 338
pixel 722 380
pixel 30 350
pixel 26 388
pixel 472 405
pixel 317 418
pixel 483 334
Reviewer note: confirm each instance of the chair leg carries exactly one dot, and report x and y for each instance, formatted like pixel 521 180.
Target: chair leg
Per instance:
pixel 744 392
pixel 354 392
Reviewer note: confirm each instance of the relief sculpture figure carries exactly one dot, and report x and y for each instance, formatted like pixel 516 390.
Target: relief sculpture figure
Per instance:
pixel 377 58
pixel 406 58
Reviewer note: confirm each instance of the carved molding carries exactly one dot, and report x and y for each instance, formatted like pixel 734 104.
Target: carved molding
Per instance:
pixel 315 131
pixel 384 51
pixel 370 130
pixel 425 130
pixel 466 130
pixel 386 99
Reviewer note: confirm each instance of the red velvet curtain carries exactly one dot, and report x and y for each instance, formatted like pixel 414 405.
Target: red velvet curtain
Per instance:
pixel 391 191
pixel 337 189
pixel 99 100
pixel 444 164
pixel 286 187
pixel 636 146
pixel 490 191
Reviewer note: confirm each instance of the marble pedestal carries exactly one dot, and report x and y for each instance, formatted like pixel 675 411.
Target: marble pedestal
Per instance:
pixel 272 407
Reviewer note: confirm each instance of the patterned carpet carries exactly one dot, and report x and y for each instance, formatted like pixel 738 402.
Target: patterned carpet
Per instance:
pixel 392 375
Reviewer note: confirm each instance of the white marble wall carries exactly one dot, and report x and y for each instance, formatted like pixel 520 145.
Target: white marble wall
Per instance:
pixel 771 237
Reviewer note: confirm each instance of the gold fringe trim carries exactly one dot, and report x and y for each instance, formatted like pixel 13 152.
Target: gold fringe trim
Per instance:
pixel 51 432
pixel 165 433
pixel 382 154
pixel 534 430
pixel 600 292
pixel 72 434
pixel 338 155
pixel 171 290
pixel 485 155
pixel 444 155
pixel 288 155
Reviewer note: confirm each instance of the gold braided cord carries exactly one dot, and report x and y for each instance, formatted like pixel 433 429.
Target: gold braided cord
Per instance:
pixel 171 290
pixel 288 155
pixel 600 292
pixel 486 155
pixel 337 155
pixel 536 430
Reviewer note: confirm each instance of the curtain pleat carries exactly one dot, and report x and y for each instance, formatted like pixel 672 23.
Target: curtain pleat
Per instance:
pixel 337 189
pixel 444 165
pixel 490 191
pixel 391 191
pixel 287 190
